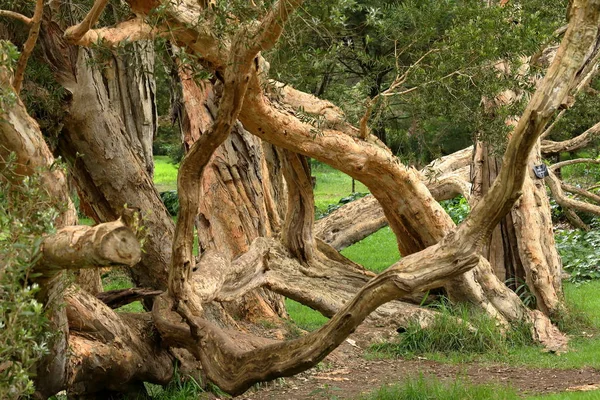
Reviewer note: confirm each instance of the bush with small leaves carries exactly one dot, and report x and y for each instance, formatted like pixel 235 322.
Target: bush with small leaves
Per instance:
pixel 27 213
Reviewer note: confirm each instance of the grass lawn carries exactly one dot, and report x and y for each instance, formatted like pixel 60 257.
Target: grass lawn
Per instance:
pixel 165 173
pixel 375 252
pixel 332 185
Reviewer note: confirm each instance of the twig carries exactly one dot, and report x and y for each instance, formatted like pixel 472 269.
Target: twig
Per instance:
pixel 580 192
pixel 549 129
pixel 400 79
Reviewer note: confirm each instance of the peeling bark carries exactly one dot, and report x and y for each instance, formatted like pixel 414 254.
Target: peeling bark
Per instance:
pixel 434 249
pixel 129 81
pixel 105 166
pixel 111 352
pixel 236 205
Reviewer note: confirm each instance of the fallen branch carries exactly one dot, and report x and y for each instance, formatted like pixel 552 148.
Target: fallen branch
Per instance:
pixel 575 220
pixel 580 192
pixel 578 142
pixel 561 164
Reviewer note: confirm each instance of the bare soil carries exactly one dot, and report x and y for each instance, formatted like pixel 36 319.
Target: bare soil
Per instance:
pixel 346 374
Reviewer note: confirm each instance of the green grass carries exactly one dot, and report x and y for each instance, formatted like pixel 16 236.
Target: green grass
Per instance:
pixel 457 331
pixel 591 395
pixel 584 347
pixel 375 252
pixel 165 174
pixel 423 388
pixel 118 279
pixel 87 221
pixel 304 317
pixel 332 185
pixel 432 388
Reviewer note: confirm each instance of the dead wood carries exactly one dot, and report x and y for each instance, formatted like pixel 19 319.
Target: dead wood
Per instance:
pixel 120 297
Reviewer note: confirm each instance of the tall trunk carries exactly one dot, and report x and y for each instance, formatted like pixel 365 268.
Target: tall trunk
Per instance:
pixel 237 195
pixel 521 250
pixel 108 171
pixel 129 80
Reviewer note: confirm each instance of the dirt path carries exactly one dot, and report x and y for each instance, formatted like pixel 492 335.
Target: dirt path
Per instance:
pixel 345 374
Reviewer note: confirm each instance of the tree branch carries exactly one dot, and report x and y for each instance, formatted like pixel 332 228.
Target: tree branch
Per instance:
pixel 548 130
pixel 567 202
pixel 272 25
pixel 575 220
pixel 561 164
pixel 131 31
pixel 235 370
pixel 581 192
pixel 75 33
pixel 34 32
pixel 75 247
pixel 578 142
pixel 16 15
pixel 120 297
pixel 572 57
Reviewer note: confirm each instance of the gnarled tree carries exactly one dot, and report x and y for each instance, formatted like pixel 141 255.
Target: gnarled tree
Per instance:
pixel 295 263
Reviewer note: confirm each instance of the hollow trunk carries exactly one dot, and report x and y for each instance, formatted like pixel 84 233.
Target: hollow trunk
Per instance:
pixel 521 250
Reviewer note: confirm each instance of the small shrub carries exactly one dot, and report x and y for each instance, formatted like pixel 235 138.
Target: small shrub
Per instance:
pixel 578 250
pixel 458 208
pixel 26 214
pixel 171 201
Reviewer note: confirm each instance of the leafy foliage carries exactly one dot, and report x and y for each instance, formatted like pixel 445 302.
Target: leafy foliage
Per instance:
pixel 447 52
pixel 458 208
pixel 26 214
pixel 584 113
pixel 171 201
pixel 344 200
pixel 8 59
pixel 579 253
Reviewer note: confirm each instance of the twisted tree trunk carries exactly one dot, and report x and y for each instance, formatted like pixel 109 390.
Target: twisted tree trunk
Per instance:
pixel 521 250
pixel 106 168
